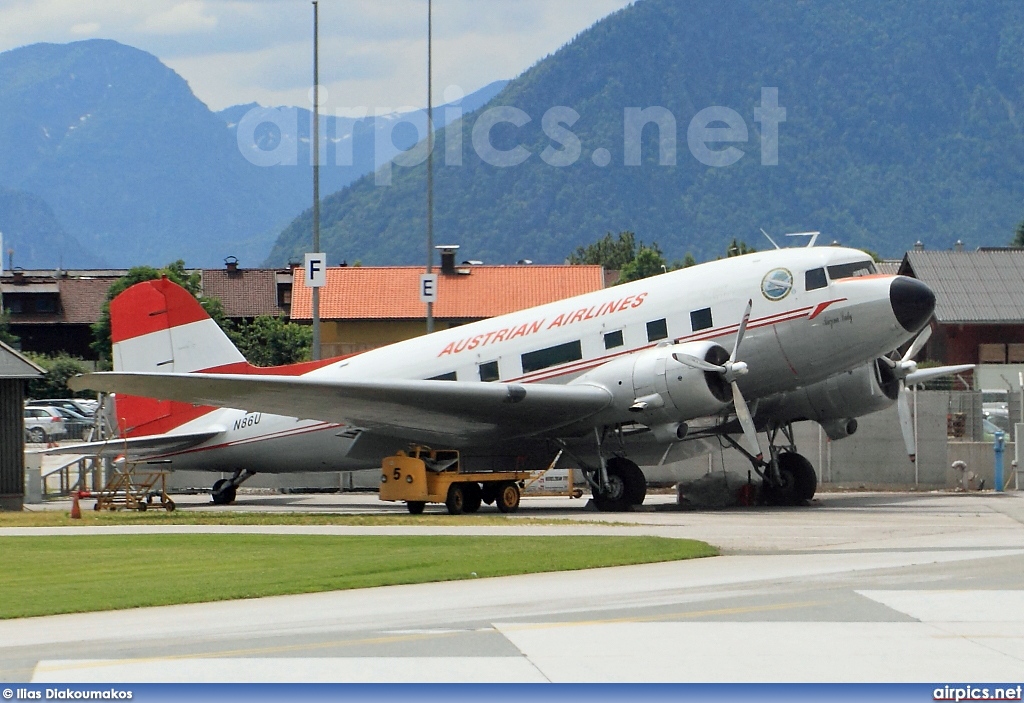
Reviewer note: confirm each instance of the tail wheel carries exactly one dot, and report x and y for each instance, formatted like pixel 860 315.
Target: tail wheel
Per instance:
pixel 416 506
pixel 223 493
pixel 472 497
pixel 508 498
pixel 456 500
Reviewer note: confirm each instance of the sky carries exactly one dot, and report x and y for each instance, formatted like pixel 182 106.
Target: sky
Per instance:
pixel 372 52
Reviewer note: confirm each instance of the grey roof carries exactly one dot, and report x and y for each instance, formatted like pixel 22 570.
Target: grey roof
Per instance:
pixel 14 365
pixel 889 268
pixel 984 286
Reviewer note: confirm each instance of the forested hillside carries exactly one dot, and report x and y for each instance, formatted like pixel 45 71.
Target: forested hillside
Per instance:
pixel 904 121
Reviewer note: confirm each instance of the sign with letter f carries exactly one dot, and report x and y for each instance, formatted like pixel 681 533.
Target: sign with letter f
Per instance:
pixel 315 270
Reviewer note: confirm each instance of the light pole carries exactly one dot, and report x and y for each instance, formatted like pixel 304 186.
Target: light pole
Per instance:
pixel 316 171
pixel 430 163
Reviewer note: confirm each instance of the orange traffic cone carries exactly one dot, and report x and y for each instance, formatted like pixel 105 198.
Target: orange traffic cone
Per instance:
pixel 76 509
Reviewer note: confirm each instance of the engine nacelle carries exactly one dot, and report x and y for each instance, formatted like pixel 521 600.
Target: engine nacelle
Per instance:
pixel 654 389
pixel 836 401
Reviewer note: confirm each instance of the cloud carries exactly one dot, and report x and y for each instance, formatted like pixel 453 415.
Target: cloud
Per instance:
pixel 180 18
pixel 372 52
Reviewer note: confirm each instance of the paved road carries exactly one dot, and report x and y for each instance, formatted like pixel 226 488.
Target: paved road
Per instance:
pixel 857 587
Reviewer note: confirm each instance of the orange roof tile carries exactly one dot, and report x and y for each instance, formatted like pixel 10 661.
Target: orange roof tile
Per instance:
pixel 392 292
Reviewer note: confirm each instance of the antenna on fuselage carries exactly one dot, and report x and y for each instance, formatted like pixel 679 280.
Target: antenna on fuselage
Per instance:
pixel 812 235
pixel 770 238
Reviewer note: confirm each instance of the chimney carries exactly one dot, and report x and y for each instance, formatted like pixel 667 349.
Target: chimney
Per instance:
pixel 918 246
pixel 19 277
pixel 448 252
pixel 959 246
pixel 231 263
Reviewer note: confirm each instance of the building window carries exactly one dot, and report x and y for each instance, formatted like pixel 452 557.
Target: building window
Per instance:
pixel 489 371
pixel 613 339
pixel 701 319
pixel 450 376
pixel 552 356
pixel 815 279
pixel 46 304
pixel 14 305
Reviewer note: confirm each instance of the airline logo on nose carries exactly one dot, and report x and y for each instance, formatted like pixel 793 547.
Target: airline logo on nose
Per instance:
pixel 777 284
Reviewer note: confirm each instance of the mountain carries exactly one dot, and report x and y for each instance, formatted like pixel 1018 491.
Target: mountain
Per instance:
pixel 133 164
pixel 140 171
pixel 374 140
pixel 904 122
pixel 37 240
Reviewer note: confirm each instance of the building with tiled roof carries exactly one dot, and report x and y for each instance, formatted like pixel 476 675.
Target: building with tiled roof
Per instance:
pixel 979 308
pixel 249 293
pixel 366 307
pixel 53 311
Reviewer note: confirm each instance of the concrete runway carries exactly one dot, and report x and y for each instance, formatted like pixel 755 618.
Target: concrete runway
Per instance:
pixel 857 587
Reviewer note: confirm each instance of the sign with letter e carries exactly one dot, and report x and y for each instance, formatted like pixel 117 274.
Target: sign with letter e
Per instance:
pixel 428 287
pixel 316 270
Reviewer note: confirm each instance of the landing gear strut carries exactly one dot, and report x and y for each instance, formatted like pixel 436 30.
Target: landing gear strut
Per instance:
pixel 626 486
pixel 788 478
pixel 617 483
pixel 225 489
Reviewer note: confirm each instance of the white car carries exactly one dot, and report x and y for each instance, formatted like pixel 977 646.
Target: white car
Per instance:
pixel 43 424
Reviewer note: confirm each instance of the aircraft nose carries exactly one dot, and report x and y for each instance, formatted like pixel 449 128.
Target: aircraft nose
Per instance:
pixel 912 302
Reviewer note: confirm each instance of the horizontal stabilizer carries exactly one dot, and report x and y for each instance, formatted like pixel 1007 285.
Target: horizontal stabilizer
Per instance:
pixel 137 447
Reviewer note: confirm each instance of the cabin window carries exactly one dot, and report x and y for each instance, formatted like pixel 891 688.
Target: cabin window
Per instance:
pixel 701 319
pixel 552 356
pixel 657 329
pixel 450 376
pixel 858 268
pixel 489 371
pixel 815 279
pixel 613 339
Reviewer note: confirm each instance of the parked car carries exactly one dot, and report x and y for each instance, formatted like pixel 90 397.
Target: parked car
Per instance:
pixel 999 418
pixel 43 424
pixel 83 407
pixel 77 426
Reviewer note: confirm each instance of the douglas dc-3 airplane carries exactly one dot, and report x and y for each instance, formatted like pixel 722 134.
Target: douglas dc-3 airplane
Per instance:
pixel 614 379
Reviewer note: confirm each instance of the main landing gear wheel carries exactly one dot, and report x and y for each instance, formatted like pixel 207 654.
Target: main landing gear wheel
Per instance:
pixel 416 506
pixel 456 500
pixel 223 492
pixel 626 486
pixel 798 481
pixel 508 498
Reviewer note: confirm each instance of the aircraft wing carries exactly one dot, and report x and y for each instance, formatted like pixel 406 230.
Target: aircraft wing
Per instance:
pixel 427 410
pixel 149 445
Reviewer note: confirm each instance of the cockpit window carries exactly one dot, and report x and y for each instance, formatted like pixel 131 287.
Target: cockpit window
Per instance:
pixel 858 268
pixel 815 279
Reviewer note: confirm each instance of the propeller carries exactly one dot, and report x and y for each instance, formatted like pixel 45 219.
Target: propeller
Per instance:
pixel 730 371
pixel 903 369
pixel 907 373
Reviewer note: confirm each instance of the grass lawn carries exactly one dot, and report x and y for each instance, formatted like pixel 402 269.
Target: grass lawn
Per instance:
pixel 56 518
pixel 49 575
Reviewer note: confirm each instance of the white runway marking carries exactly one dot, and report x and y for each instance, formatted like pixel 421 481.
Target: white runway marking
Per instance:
pixel 954 606
pixel 757 652
pixel 291 670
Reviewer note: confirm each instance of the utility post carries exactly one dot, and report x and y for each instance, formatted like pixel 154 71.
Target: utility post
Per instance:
pixel 430 165
pixel 316 173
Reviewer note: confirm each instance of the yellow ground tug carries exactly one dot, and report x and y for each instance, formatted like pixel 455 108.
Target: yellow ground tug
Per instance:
pixel 433 476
